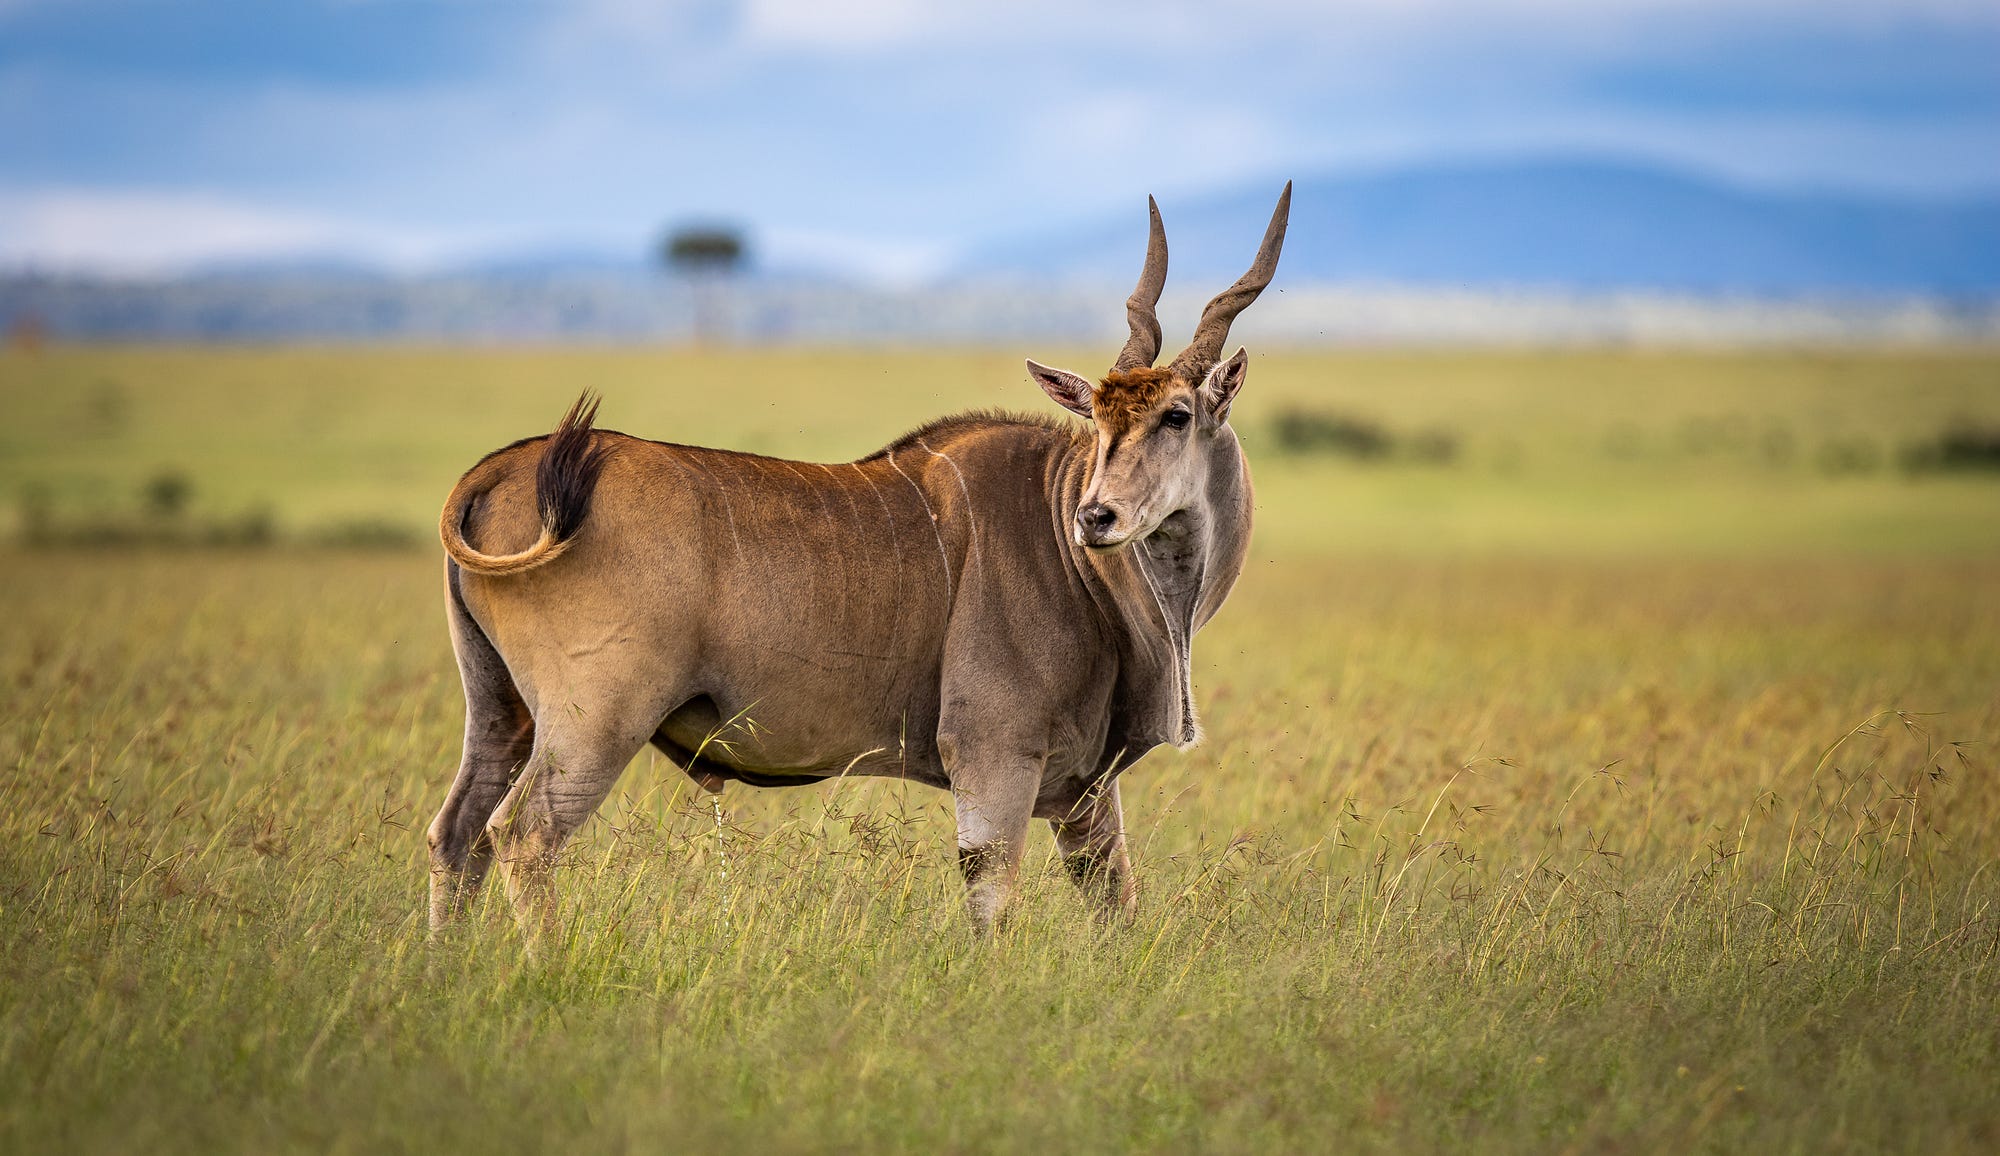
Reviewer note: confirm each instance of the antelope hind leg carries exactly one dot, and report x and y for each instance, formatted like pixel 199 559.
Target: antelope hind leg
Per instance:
pixel 1092 840
pixel 573 768
pixel 499 736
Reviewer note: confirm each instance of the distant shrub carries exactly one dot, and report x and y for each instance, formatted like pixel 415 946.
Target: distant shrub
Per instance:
pixel 1777 446
pixel 166 494
pixel 367 534
pixel 1849 456
pixel 1297 430
pixel 1436 447
pixel 1301 431
pixel 107 409
pixel 257 526
pixel 161 517
pixel 1963 448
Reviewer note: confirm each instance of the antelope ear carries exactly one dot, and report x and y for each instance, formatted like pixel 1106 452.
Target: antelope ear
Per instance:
pixel 1069 391
pixel 1219 388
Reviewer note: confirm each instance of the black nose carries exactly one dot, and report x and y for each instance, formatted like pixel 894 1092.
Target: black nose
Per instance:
pixel 1096 519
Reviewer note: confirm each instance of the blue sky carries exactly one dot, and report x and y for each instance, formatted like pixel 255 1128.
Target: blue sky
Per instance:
pixel 882 136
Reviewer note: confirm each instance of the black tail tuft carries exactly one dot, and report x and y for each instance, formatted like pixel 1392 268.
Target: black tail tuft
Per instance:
pixel 571 460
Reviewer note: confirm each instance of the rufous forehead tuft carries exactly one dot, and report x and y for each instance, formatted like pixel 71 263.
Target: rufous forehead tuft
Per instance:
pixel 1125 395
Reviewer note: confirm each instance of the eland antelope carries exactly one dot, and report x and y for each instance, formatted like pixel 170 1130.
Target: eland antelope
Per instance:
pixel 999 606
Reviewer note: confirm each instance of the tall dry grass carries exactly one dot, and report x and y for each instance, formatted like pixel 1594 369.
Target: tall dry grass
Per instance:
pixel 1510 855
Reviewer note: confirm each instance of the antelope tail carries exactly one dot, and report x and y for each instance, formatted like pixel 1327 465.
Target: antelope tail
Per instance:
pixel 571 460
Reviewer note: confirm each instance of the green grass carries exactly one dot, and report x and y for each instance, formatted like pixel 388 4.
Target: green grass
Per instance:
pixel 1555 800
pixel 1603 452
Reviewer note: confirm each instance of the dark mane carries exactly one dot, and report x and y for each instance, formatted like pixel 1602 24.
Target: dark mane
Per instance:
pixel 950 423
pixel 953 423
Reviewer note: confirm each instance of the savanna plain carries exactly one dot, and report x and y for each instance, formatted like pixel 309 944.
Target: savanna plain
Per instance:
pixel 1600 757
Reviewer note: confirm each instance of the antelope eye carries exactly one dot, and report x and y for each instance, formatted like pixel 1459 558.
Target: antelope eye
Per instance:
pixel 1175 419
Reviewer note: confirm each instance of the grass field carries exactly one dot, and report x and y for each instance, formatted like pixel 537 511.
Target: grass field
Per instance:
pixel 1625 783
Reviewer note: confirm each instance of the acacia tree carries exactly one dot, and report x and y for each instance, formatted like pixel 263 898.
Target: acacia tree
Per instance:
pixel 707 255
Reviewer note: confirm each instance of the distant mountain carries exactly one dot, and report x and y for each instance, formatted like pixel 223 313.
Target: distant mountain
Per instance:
pixel 1584 226
pixel 1524 252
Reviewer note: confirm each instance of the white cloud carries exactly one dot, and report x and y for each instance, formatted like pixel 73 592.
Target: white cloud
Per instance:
pixel 148 233
pixel 164 233
pixel 882 261
pixel 853 23
pixel 872 25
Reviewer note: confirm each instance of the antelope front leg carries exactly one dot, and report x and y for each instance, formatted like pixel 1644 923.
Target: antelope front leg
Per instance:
pixel 995 799
pixel 1092 840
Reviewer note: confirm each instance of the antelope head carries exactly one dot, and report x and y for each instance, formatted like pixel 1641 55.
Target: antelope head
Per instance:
pixel 1156 427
